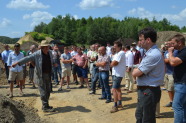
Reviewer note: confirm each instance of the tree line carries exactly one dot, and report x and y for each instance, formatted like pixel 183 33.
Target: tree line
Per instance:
pixel 107 29
pixel 8 40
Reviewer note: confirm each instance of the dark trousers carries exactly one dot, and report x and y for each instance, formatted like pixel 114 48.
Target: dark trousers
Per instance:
pixel 95 77
pixel 45 89
pixel 7 70
pixel 146 107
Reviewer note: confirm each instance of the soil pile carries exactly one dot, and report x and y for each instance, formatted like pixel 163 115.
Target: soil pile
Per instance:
pixel 17 112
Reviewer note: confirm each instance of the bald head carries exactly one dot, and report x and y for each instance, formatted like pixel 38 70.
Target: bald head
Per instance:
pixel 102 50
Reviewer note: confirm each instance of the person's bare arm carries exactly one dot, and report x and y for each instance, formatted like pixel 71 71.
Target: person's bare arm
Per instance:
pixel 137 73
pixel 114 63
pixel 174 61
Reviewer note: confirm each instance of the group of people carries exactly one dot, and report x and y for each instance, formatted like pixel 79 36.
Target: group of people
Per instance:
pixel 143 63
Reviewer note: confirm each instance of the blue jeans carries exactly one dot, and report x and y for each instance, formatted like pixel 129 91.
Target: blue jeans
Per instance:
pixel 104 81
pixel 179 103
pixel 95 77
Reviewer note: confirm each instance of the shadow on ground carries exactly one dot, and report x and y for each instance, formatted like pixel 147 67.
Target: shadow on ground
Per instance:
pixel 69 109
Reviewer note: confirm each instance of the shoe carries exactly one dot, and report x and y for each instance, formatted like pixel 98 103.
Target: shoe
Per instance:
pixel 169 104
pixel 21 94
pixel 114 109
pixel 48 109
pixel 119 106
pixel 68 87
pixel 76 82
pixel 107 101
pixel 101 98
pixel 163 88
pixel 81 86
pixel 11 96
pixel 33 87
pixel 60 89
pixel 17 86
pixel 92 92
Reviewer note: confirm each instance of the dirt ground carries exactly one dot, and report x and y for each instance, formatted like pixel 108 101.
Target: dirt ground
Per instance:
pixel 77 106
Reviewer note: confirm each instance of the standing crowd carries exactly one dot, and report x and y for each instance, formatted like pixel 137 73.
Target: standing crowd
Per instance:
pixel 142 63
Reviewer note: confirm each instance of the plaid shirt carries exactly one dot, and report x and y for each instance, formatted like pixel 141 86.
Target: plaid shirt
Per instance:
pixel 106 59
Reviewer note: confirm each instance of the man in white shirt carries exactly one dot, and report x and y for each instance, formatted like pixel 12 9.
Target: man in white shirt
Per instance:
pixel 108 51
pixel 118 65
pixel 4 56
pixel 16 73
pixel 129 66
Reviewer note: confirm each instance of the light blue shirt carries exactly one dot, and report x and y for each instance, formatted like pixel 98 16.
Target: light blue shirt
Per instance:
pixel 12 58
pixel 66 57
pixel 153 68
pixel 5 55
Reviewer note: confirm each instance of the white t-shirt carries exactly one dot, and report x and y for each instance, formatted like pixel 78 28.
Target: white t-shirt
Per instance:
pixel 119 70
pixel 129 58
pixel 108 51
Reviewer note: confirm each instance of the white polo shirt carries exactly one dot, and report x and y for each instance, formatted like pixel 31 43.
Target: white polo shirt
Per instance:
pixel 119 70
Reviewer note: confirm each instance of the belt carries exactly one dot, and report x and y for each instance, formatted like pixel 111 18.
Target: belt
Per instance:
pixel 145 87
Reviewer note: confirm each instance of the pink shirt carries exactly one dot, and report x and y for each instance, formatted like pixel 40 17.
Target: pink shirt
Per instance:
pixel 80 59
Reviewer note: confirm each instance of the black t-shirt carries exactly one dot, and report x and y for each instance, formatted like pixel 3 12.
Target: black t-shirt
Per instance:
pixel 46 65
pixel 180 70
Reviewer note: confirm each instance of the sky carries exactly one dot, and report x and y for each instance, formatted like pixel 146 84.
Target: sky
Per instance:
pixel 20 16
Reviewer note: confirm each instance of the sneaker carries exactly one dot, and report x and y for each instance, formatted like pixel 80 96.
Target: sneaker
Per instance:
pixel 16 86
pixel 76 82
pixel 33 87
pixel 68 87
pixel 114 109
pixel 21 94
pixel 101 98
pixel 92 92
pixel 119 106
pixel 107 101
pixel 60 89
pixel 169 104
pixel 81 86
pixel 10 95
pixel 48 110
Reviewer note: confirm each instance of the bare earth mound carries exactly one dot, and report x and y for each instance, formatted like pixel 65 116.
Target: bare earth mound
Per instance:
pixel 17 112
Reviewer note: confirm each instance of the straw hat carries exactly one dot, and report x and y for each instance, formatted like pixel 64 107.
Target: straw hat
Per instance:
pixel 44 43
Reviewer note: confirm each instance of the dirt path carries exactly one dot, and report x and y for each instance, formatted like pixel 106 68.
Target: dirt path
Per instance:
pixel 77 106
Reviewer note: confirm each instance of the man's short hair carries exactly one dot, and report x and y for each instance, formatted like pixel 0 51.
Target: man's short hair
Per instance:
pixel 16 45
pixel 179 37
pixel 118 43
pixel 65 48
pixel 149 32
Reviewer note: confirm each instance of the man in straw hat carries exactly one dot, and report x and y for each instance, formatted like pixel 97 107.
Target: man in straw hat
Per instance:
pixel 42 73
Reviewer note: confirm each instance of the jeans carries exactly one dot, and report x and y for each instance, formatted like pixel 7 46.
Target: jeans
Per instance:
pixel 104 81
pixel 94 79
pixel 56 70
pixel 146 107
pixel 179 103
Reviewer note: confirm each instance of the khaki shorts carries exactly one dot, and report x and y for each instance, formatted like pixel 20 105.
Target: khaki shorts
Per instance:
pixel 66 72
pixel 169 82
pixel 15 76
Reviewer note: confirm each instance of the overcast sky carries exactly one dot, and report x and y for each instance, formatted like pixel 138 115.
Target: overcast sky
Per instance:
pixel 19 16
